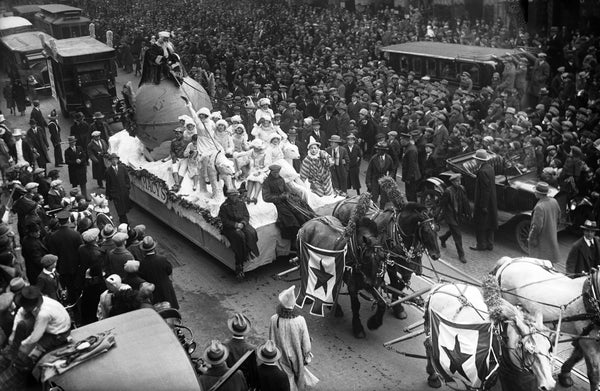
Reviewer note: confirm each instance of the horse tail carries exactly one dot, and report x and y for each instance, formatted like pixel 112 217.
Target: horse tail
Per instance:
pixel 360 211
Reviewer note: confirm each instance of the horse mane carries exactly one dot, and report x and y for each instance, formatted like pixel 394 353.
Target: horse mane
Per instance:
pixel 499 308
pixel 360 211
pixel 390 188
pixel 414 207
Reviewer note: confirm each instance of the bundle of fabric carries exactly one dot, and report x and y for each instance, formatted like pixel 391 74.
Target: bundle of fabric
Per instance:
pixel 63 359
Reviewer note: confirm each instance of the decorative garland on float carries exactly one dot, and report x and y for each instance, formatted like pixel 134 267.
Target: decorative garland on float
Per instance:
pixel 183 207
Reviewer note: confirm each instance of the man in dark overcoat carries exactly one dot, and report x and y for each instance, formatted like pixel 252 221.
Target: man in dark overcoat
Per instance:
pixel 380 165
pixel 485 208
pixel 36 138
pixel 455 208
pixel 585 253
pixel 76 160
pixel 36 114
pixel 81 131
pixel 54 129
pixel 97 151
pixel 354 159
pixel 157 270
pixel 117 187
pixel 64 243
pixel 237 229
pixel 339 168
pixel 289 218
pixel 411 173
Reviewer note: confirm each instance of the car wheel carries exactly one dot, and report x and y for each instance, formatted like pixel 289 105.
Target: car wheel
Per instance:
pixel 522 233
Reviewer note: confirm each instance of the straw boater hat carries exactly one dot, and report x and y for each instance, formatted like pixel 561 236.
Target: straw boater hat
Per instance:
pixel 335 139
pixel 287 298
pixel 268 352
pixel 239 324
pixel 98 115
pixel 216 353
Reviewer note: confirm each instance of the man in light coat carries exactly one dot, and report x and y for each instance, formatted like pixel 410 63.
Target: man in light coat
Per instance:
pixel 543 239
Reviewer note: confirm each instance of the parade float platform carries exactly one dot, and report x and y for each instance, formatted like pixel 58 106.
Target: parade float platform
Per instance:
pixel 194 214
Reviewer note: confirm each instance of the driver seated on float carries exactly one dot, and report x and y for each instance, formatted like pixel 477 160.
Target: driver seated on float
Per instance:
pixel 161 62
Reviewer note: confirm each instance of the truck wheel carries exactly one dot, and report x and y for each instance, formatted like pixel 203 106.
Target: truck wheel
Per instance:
pixel 522 233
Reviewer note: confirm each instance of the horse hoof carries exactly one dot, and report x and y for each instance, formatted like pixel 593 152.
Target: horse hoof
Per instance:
pixel 434 381
pixel 360 334
pixel 565 380
pixel 373 324
pixel 399 313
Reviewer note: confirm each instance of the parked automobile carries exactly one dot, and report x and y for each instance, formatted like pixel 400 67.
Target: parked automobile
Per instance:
pixel 515 185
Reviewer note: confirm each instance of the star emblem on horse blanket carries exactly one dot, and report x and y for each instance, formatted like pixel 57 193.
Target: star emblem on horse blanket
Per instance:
pixel 322 276
pixel 457 358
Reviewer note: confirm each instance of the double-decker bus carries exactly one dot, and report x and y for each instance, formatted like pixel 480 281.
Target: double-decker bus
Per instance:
pixel 62 21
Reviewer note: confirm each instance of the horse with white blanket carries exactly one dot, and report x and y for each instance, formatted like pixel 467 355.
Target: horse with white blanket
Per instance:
pixel 469 334
pixel 535 285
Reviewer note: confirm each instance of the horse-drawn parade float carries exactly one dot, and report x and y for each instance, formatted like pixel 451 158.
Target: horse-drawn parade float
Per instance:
pixel 503 330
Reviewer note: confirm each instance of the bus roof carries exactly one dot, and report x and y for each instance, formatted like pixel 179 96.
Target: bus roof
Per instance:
pixel 25 42
pixel 449 51
pixel 26 9
pixel 58 8
pixel 70 48
pixel 11 22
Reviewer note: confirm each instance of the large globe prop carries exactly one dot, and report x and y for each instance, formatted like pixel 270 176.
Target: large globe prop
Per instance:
pixel 157 108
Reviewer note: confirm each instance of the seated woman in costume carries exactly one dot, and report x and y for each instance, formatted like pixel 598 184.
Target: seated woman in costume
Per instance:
pixel 223 137
pixel 264 129
pixel 264 110
pixel 315 168
pixel 193 157
pixel 258 170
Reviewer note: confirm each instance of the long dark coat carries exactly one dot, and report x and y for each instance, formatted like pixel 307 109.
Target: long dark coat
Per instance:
pixel 33 249
pixel 82 132
pixel 64 243
pixel 376 170
pixel 581 258
pixel 354 159
pixel 77 171
pixel 157 270
pixel 117 188
pixel 36 114
pixel 485 208
pixel 38 141
pixel 97 155
pixel 241 241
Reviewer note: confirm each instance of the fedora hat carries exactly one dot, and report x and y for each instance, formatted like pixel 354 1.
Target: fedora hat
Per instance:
pixel 17 284
pixel 268 352
pixel 542 188
pixel 216 353
pixel 148 244
pixel 589 225
pixel 335 139
pixel 482 155
pixel 108 231
pixel 29 296
pixel 239 324
pixel 98 115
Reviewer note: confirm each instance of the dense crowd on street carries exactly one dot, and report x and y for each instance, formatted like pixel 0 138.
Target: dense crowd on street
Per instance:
pixel 307 77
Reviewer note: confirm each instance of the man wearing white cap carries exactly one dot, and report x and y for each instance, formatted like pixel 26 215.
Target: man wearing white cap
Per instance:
pixel 97 151
pixel 160 60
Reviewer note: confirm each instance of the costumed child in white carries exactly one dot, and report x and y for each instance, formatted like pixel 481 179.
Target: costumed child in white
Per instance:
pixel 189 130
pixel 264 129
pixel 194 157
pixel 275 155
pixel 264 110
pixel 205 128
pixel 258 170
pixel 223 137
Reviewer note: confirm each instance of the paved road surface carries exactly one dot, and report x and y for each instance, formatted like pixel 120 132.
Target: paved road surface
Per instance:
pixel 209 294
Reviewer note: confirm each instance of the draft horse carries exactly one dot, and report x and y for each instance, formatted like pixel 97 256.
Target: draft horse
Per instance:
pixel 365 262
pixel 535 285
pixel 406 233
pixel 519 345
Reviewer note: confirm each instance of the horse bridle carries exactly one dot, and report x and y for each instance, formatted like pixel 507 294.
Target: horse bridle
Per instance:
pixel 416 247
pixel 525 357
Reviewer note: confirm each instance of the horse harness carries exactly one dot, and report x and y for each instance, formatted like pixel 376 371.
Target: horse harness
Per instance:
pixel 397 235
